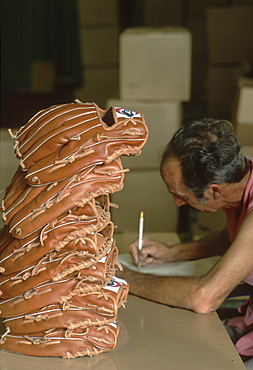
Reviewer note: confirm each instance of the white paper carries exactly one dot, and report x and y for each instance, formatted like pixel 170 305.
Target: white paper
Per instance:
pixel 186 268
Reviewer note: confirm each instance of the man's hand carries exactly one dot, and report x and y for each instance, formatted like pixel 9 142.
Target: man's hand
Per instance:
pixel 152 252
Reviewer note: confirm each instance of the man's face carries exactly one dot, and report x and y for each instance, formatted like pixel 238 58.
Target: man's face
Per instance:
pixel 172 176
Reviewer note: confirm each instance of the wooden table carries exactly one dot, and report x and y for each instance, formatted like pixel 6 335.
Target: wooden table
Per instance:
pixel 152 336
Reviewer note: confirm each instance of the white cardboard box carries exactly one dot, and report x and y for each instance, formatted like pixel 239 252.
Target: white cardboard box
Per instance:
pixel 244 113
pixel 245 107
pixel 163 119
pixel 155 64
pixel 8 163
pixel 144 191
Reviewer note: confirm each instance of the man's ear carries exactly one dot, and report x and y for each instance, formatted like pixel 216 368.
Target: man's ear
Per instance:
pixel 215 190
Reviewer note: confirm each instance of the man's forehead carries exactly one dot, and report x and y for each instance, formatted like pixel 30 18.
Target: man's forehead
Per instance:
pixel 172 166
pixel 172 174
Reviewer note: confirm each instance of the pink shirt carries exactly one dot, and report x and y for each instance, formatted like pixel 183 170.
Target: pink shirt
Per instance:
pixel 234 220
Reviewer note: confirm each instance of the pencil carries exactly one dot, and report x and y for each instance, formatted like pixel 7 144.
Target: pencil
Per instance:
pixel 141 226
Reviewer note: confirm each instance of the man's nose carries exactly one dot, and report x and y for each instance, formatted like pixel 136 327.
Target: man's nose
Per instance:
pixel 179 201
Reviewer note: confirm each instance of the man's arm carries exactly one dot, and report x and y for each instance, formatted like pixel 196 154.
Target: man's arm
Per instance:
pixel 206 293
pixel 170 290
pixel 155 252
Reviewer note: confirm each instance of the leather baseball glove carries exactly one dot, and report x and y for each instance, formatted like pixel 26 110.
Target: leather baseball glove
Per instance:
pixel 59 140
pixel 52 292
pixel 30 213
pixel 75 232
pixel 59 294
pixel 95 308
pixel 64 343
pixel 57 266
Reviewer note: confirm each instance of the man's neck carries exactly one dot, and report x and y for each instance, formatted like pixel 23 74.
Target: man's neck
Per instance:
pixel 233 193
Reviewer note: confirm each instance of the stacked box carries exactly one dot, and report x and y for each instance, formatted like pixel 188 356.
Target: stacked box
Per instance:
pixel 155 78
pixel 230 52
pixel 222 85
pixel 230 34
pixel 155 64
pixel 163 119
pixel 100 57
pixel 244 112
pixel 144 191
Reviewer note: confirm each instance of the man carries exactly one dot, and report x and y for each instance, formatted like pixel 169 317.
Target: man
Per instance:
pixel 203 166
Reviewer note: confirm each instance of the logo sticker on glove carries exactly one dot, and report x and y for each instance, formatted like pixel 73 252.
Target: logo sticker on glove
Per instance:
pixel 115 284
pixel 121 112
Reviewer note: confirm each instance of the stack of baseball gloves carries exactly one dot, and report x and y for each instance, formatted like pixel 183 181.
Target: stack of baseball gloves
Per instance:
pixel 58 258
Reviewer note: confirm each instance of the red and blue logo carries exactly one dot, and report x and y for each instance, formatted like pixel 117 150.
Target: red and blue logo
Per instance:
pixel 127 113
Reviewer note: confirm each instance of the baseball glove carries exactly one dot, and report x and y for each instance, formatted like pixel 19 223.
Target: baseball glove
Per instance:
pixel 35 213
pixel 95 308
pixel 72 231
pixel 59 294
pixel 58 266
pixel 52 292
pixel 63 342
pixel 71 132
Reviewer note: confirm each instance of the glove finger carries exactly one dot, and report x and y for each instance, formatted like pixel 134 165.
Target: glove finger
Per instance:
pixel 58 266
pixel 16 187
pixel 66 232
pixel 54 132
pixel 78 124
pixel 24 196
pixel 94 308
pixel 44 125
pixel 63 343
pixel 124 137
pixel 48 293
pixel 65 195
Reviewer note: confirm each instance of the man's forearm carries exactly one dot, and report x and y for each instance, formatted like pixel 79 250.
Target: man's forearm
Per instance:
pixel 184 292
pixel 169 290
pixel 214 244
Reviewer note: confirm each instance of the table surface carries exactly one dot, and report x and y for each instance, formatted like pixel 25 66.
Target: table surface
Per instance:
pixel 152 336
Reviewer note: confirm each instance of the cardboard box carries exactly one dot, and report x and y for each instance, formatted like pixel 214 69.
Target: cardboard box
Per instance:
pixel 154 13
pixel 8 162
pixel 245 103
pixel 244 134
pixel 96 49
pixel 248 150
pixel 155 64
pixel 97 12
pixel 100 84
pixel 163 119
pixel 221 91
pixel 244 112
pixel 230 34
pixel 144 190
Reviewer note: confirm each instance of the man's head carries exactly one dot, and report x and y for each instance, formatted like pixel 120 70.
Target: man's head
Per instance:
pixel 208 153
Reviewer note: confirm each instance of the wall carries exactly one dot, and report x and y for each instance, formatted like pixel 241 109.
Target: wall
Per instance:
pixel 99 30
pixel 100 26
pixel 100 23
